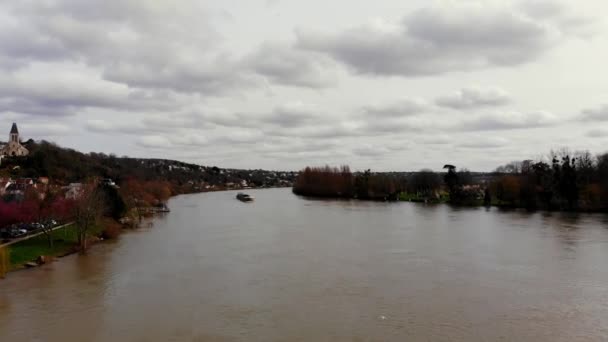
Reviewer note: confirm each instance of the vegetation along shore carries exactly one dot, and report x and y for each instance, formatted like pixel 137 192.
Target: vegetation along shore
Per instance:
pixel 563 180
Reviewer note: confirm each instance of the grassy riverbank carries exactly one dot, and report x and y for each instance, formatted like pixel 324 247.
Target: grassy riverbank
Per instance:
pixel 65 241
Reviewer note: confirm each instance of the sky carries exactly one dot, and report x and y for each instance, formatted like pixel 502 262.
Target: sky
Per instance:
pixel 390 85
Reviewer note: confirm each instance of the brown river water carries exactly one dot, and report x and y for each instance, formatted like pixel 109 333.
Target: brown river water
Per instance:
pixel 286 268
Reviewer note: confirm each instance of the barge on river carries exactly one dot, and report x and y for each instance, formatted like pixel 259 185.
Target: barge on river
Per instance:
pixel 244 197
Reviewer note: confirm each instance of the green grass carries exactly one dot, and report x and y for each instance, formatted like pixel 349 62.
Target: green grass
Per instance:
pixel 64 240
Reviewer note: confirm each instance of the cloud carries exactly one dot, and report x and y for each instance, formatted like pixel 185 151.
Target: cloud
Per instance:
pixel 154 141
pixel 510 120
pixel 47 129
pixel 68 89
pixel 437 139
pixel 143 49
pixel 295 114
pixel 404 108
pixel 474 97
pixel 485 143
pixel 370 151
pixel 284 65
pixel 378 150
pixel 439 39
pixel 597 133
pixel 595 114
pixel 116 127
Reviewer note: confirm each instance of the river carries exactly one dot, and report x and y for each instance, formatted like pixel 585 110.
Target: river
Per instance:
pixel 286 268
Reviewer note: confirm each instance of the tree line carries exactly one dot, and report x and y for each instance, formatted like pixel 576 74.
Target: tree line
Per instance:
pixel 340 182
pixel 560 181
pixel 563 181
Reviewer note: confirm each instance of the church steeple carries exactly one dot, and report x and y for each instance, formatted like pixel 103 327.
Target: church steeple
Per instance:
pixel 14 136
pixel 14 147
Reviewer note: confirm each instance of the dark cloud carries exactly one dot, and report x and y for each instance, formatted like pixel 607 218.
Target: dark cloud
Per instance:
pixel 471 98
pixel 440 39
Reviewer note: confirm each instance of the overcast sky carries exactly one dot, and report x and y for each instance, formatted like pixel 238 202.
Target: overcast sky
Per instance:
pixel 281 84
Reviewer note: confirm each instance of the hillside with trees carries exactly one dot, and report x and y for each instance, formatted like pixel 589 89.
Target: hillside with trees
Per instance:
pixel 64 166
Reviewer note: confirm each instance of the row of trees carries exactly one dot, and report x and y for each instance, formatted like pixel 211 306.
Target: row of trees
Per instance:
pixel 342 183
pixel 561 181
pixel 569 181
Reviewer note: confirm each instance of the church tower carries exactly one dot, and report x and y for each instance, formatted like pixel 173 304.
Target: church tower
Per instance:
pixel 14 135
pixel 14 147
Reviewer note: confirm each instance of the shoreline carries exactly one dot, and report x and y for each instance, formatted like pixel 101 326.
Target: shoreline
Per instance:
pixel 477 204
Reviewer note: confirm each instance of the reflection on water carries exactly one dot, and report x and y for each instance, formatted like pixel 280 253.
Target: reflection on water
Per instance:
pixel 286 268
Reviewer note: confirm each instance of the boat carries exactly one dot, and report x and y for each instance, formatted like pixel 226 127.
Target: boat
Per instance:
pixel 244 197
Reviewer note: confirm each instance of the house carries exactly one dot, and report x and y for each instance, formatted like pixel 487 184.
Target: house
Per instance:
pixel 73 191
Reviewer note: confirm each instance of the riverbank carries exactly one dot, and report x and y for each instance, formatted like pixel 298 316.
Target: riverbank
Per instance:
pixel 444 198
pixel 29 251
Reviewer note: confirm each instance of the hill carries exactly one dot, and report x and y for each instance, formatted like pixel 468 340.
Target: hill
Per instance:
pixel 63 166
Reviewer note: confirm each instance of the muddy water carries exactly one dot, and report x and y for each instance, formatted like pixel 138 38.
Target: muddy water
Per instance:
pixel 289 269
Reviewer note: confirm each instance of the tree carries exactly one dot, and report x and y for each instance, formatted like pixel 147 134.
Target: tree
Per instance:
pixel 451 181
pixel 507 189
pixel 40 209
pixel 425 183
pixel 602 174
pixel 487 197
pixel 87 212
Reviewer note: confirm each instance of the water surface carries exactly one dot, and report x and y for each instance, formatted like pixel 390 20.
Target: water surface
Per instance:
pixel 289 269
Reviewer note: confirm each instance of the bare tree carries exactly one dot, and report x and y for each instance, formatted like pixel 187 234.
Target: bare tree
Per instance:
pixel 87 212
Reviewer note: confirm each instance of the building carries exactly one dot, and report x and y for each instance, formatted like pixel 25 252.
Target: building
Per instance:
pixel 14 147
pixel 74 191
